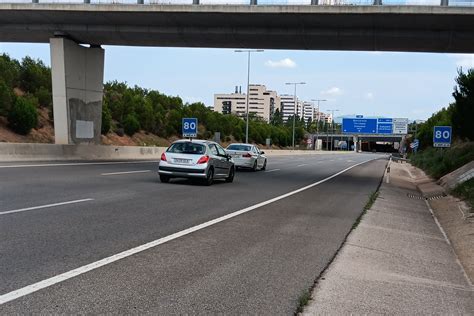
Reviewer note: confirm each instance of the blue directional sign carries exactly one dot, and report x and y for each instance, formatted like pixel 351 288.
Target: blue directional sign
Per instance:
pixel 190 126
pixel 359 125
pixel 385 126
pixel 442 136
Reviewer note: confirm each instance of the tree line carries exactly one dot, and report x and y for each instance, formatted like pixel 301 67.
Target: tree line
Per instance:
pixel 26 86
pixel 459 114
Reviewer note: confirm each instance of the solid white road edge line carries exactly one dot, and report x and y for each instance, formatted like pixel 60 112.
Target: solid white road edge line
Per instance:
pixel 124 172
pixel 44 206
pixel 77 164
pixel 94 265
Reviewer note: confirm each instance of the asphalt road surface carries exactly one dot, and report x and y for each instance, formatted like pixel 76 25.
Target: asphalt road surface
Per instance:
pixel 59 221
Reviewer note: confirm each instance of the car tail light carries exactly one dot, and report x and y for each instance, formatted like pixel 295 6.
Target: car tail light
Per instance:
pixel 247 155
pixel 163 157
pixel 203 159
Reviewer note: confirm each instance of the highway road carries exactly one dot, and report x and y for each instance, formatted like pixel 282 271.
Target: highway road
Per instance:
pixel 101 237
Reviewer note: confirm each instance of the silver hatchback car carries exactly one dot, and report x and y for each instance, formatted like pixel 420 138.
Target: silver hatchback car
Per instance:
pixel 199 159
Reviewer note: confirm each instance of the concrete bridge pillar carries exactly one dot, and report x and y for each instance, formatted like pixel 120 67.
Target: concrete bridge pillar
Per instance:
pixel 77 76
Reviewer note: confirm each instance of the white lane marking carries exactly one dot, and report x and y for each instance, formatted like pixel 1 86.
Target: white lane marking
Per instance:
pixel 44 206
pixel 272 170
pixel 305 164
pixel 77 164
pixel 124 172
pixel 127 253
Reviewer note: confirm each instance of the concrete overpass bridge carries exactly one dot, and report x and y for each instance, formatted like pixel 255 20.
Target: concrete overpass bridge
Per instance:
pixel 77 70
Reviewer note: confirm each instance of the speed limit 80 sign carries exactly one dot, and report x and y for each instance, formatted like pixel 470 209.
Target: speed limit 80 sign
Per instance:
pixel 442 136
pixel 190 126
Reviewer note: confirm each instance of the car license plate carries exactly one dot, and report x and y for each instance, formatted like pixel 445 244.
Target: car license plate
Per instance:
pixel 236 156
pixel 183 161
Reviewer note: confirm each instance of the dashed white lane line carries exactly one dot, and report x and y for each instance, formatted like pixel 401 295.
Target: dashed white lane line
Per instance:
pixel 304 164
pixel 44 206
pixel 10 296
pixel 124 172
pixel 272 170
pixel 78 164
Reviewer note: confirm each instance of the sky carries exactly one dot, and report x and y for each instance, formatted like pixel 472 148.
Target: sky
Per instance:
pixel 411 85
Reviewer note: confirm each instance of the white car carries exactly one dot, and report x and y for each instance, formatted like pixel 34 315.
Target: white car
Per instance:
pixel 247 156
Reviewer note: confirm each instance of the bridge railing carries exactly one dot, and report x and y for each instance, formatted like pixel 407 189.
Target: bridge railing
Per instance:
pixel 451 3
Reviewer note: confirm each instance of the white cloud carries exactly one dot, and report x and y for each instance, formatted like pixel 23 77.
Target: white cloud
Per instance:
pixel 332 92
pixel 464 60
pixel 369 96
pixel 284 63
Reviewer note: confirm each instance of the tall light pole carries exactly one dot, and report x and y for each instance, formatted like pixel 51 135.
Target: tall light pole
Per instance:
pixel 332 124
pixel 296 108
pixel 319 116
pixel 248 51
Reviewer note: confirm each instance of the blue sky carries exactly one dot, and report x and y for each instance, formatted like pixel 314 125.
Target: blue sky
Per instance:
pixel 412 85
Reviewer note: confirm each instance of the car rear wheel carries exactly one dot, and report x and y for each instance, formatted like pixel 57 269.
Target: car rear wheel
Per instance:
pixel 264 165
pixel 164 179
pixel 230 178
pixel 209 177
pixel 254 168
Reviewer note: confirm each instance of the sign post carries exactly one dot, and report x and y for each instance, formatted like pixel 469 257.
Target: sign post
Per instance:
pixel 442 136
pixel 190 127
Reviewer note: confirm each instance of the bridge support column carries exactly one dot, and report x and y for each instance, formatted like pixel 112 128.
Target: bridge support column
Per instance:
pixel 444 3
pixel 314 2
pixel 253 2
pixel 77 75
pixel 356 143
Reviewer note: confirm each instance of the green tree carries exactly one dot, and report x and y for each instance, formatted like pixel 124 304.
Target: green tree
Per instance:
pixel 131 125
pixel 23 116
pixel 463 111
pixel 9 70
pixel 6 98
pixel 34 75
pixel 106 119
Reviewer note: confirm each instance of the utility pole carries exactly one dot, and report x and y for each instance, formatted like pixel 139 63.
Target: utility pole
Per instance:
pixel 319 116
pixel 332 125
pixel 248 87
pixel 296 108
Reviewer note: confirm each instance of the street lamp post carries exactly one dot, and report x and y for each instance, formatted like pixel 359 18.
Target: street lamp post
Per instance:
pixel 248 51
pixel 332 126
pixel 317 124
pixel 296 108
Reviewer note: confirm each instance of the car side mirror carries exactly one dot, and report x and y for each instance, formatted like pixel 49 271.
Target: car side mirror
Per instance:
pixel 228 156
pixel 262 152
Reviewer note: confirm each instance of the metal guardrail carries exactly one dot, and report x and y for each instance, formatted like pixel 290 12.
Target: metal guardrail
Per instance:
pixel 451 3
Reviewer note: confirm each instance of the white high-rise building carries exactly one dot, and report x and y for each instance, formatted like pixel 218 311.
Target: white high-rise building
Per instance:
pixel 288 106
pixel 262 102
pixel 308 111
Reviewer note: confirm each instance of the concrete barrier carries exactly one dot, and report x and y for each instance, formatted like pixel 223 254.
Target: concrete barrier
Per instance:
pixel 50 152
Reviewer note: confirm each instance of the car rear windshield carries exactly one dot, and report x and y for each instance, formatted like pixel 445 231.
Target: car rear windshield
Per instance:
pixel 187 148
pixel 239 147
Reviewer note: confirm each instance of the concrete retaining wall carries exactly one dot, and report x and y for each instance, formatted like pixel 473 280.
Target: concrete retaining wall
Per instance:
pixel 49 152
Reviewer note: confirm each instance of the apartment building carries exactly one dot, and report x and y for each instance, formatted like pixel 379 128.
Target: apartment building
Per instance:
pixel 262 102
pixel 288 106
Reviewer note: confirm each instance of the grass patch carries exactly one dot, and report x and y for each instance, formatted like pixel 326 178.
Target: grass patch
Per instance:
pixel 367 206
pixel 303 300
pixel 438 162
pixel 465 191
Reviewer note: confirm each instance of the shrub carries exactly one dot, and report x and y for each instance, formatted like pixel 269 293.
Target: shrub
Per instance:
pixel 131 125
pixel 438 162
pixel 23 115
